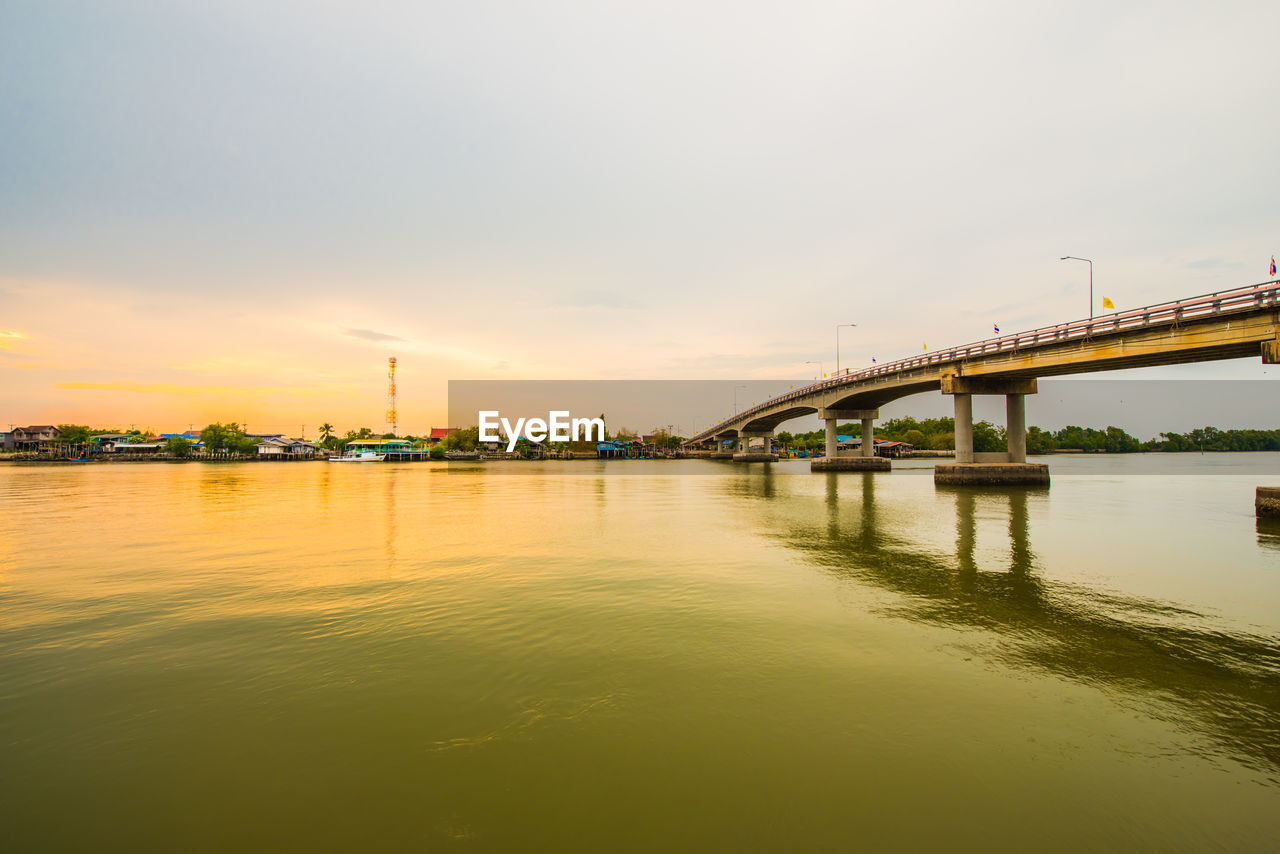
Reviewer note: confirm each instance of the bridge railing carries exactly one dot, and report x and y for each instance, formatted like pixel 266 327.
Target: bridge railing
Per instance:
pixel 1237 299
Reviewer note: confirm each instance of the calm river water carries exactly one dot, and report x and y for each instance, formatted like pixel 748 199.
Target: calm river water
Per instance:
pixel 686 656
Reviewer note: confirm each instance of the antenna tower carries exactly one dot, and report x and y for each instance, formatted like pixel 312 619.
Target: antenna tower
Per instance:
pixel 392 418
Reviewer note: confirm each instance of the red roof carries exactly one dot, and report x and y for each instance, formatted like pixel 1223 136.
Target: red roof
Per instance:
pixel 441 432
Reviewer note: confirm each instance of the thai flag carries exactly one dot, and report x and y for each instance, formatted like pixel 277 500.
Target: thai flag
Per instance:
pixel 996 327
pixel 1273 265
pixel 873 360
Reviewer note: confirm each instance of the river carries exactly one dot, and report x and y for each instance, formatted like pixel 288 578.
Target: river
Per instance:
pixel 647 656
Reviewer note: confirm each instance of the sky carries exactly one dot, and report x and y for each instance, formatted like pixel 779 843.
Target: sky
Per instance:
pixel 238 211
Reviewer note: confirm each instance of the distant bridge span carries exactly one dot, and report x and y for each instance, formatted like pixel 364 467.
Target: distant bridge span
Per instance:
pixel 1224 325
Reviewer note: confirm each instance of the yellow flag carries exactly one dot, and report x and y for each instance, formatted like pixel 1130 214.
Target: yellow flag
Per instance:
pixel 924 346
pixel 1106 303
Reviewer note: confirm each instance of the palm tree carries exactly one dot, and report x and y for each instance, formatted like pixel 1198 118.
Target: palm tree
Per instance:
pixel 326 430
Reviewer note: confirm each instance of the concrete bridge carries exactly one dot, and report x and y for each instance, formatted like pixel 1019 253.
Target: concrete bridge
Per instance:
pixel 1225 325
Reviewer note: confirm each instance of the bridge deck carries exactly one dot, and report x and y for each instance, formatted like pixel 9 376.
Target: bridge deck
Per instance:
pixel 1222 325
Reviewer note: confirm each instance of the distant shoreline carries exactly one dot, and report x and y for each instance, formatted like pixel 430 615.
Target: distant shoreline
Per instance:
pixel 14 459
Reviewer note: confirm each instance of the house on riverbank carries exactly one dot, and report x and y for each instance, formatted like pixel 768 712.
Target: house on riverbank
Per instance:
pixel 108 443
pixel 278 446
pixel 37 438
pixel 439 434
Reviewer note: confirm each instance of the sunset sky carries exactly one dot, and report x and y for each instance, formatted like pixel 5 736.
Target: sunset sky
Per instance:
pixel 237 211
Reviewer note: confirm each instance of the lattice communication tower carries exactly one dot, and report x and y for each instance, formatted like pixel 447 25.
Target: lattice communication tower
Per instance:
pixel 392 418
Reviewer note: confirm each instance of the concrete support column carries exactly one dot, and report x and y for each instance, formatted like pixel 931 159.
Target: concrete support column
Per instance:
pixel 1016 426
pixel 832 441
pixel 964 427
pixel 868 437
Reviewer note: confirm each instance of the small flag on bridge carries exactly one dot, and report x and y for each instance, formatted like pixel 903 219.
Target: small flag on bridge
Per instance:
pixel 996 327
pixel 1273 265
pixel 873 360
pixel 1107 303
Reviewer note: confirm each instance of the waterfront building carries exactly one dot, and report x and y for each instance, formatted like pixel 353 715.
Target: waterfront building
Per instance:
pixel 109 443
pixel 37 437
pixel 278 446
pixel 439 434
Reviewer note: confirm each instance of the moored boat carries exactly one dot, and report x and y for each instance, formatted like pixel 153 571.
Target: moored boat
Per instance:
pixel 360 452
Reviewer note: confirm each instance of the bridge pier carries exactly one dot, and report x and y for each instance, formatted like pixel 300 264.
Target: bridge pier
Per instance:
pixel 746 455
pixel 866 459
pixel 964 427
pixel 1267 501
pixel 719 452
pixel 988 469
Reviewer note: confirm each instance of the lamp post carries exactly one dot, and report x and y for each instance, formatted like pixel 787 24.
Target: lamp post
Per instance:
pixel 1090 263
pixel 735 398
pixel 819 364
pixel 840 326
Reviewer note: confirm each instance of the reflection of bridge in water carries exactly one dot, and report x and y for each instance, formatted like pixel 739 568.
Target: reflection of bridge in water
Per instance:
pixel 1226 325
pixel 1225 685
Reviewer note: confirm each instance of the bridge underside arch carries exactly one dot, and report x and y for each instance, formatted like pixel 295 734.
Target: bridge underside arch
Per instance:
pixel 876 398
pixel 769 421
pixel 861 399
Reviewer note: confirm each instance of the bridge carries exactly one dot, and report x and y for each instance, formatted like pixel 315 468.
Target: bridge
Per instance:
pixel 1228 324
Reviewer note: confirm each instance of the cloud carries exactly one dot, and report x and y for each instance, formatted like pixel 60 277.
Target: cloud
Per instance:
pixel 9 333
pixel 1210 264
pixel 370 335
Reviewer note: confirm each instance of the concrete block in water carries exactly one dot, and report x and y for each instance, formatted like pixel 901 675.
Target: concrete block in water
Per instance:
pixel 850 464
pixel 992 474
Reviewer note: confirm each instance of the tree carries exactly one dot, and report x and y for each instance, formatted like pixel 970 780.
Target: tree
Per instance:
pixel 352 436
pixel 987 437
pixel 1040 441
pixel 179 446
pixel 461 440
pixel 914 437
pixel 1120 442
pixel 326 433
pixel 72 434
pixel 437 452
pixel 228 437
pixel 214 437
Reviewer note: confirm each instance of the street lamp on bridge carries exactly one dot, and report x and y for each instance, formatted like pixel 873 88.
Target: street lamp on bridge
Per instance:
pixel 1074 258
pixel 819 364
pixel 838 328
pixel 735 398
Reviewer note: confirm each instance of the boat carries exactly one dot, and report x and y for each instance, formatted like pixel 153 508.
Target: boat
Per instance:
pixel 359 452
